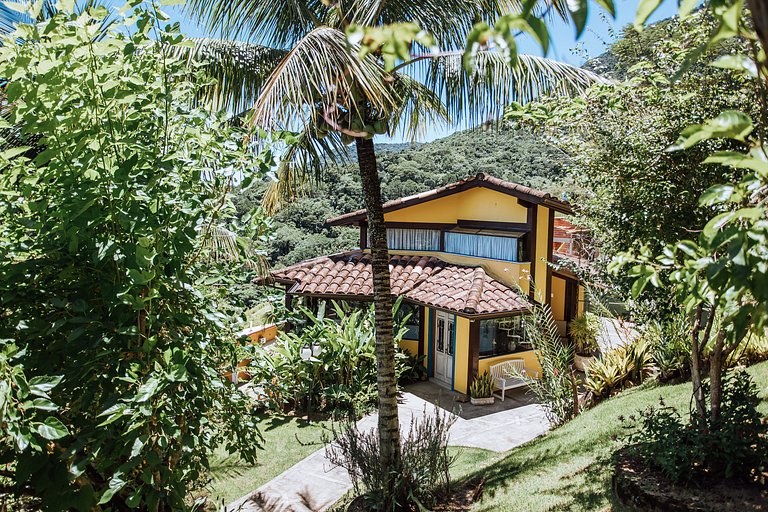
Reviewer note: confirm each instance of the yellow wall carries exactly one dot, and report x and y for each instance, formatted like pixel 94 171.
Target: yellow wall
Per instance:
pixel 475 204
pixel 268 332
pixel 557 299
pixel 461 355
pixel 542 248
pixel 580 305
pixel 411 346
pixel 531 363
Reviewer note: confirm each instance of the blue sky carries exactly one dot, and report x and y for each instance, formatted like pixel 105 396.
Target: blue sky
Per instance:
pixel 601 31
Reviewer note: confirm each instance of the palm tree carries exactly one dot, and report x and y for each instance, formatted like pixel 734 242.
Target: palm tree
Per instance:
pixel 298 71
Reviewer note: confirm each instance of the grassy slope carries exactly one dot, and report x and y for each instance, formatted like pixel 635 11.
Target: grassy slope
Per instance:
pixel 569 469
pixel 286 442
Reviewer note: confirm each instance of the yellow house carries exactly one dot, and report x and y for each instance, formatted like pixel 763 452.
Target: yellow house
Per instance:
pixel 467 258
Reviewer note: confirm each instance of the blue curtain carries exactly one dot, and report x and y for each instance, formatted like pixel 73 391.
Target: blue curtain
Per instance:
pixel 482 246
pixel 413 239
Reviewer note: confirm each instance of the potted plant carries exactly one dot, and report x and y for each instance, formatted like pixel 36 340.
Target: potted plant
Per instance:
pixel 481 390
pixel 584 331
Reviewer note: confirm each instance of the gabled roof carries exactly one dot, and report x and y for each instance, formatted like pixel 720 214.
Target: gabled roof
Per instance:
pixel 426 280
pixel 482 179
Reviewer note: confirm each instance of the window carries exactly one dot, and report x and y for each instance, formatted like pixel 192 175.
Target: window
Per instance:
pixel 410 239
pixel 501 336
pixel 484 244
pixel 412 325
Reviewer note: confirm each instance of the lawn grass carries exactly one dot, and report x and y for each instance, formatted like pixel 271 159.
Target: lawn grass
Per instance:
pixel 287 440
pixel 570 469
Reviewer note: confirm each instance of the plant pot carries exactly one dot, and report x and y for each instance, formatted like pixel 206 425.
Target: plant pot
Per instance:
pixel 582 361
pixel 482 401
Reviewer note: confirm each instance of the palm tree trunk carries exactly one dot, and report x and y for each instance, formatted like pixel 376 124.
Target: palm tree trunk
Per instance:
pixel 389 427
pixel 759 11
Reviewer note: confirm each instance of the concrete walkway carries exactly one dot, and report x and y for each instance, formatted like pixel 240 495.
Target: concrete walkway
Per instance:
pixel 313 485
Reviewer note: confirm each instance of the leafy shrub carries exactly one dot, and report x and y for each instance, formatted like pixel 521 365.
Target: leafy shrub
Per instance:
pixel 584 331
pixel 624 366
pixel 556 388
pixel 670 341
pixel 735 447
pixel 424 468
pixel 413 367
pixel 103 231
pixel 482 386
pixel 342 378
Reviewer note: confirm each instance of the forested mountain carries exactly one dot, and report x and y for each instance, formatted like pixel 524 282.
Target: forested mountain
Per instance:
pixel 299 229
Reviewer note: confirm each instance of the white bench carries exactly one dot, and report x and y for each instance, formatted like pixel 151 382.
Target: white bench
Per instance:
pixel 509 375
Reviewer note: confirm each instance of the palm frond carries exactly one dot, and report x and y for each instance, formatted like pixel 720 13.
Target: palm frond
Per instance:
pixel 276 23
pixel 482 95
pixel 418 107
pixel 300 165
pixel 222 245
pixel 239 70
pixel 320 72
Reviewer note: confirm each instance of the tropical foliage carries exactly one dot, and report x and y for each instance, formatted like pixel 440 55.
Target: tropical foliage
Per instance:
pixel 556 388
pixel 629 188
pixel 686 450
pixel 584 330
pixel 622 367
pixel 720 277
pixel 112 396
pixel 341 379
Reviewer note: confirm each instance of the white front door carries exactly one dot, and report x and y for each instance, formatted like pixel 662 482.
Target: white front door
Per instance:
pixel 444 327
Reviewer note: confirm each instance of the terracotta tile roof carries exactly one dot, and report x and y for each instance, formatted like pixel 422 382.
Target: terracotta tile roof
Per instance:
pixel 480 180
pixel 422 279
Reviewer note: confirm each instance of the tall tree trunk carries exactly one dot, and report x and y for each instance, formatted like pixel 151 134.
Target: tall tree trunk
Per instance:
pixel 389 427
pixel 698 392
pixel 759 10
pixel 716 367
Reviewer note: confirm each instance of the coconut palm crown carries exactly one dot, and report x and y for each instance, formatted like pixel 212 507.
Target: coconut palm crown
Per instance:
pixel 289 65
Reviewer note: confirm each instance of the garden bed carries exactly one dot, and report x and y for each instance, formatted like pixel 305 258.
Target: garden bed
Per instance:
pixel 643 489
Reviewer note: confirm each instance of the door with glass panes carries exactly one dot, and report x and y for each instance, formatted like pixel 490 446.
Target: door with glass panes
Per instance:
pixel 444 327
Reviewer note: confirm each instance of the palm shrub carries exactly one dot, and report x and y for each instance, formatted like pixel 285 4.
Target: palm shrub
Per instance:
pixel 556 388
pixel 104 230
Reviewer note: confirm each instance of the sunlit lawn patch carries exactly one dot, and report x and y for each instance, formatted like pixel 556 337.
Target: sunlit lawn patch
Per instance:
pixel 287 441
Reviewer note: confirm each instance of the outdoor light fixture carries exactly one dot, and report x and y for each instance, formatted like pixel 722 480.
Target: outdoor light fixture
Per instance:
pixel 306 352
pixel 316 349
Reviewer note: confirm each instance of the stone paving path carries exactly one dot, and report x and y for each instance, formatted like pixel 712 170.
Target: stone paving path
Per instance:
pixel 314 485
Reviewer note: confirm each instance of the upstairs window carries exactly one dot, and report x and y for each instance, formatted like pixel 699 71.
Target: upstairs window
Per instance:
pixel 410 239
pixel 497 245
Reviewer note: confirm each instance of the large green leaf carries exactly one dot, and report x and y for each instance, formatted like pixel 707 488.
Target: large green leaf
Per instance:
pixel 52 428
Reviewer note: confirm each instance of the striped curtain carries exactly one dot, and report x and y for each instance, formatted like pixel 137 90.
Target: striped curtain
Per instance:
pixel 482 246
pixel 407 239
